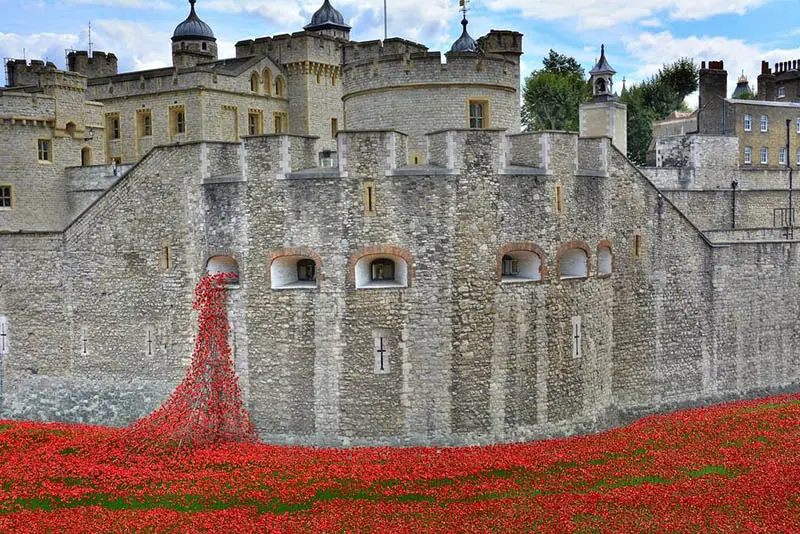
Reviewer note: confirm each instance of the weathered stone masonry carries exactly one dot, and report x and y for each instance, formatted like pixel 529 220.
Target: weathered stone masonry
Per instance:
pixel 472 359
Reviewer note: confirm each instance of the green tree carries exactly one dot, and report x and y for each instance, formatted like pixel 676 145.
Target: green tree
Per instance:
pixel 551 96
pixel 654 100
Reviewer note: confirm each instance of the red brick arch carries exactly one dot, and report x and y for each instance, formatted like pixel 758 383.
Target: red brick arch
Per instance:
pixel 604 243
pixel 294 251
pixel 378 250
pixel 572 245
pixel 523 246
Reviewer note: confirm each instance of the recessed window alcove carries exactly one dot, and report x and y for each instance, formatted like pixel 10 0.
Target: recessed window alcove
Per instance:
pixel 573 261
pixel 224 264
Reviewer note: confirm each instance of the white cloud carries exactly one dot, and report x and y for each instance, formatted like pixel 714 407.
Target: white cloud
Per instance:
pixel 608 13
pixel 44 46
pixel 429 21
pixel 650 23
pixel 137 45
pixel 652 50
pixel 138 4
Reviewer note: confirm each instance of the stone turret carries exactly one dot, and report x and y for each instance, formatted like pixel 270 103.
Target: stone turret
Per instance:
pixel 605 116
pixel 193 41
pixel 743 88
pixel 98 65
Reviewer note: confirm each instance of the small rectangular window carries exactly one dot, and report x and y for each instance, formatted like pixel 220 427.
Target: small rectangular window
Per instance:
pixel 177 120
pixel 45 150
pixel 281 122
pixel 748 155
pixel 798 156
pixel 748 123
pixel 255 122
pixel 370 199
pixel 167 258
pixel 781 92
pixel 334 127
pixel 5 197
pixel 782 156
pixel 798 125
pixel 478 111
pixel 764 155
pixel 764 123
pixel 145 123
pixel 559 198
pixel 637 246
pixel 112 126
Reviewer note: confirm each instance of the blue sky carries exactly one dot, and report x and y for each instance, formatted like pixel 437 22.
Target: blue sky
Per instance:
pixel 640 35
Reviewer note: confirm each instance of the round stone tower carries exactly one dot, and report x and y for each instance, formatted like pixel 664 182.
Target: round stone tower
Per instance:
pixel 193 42
pixel 398 84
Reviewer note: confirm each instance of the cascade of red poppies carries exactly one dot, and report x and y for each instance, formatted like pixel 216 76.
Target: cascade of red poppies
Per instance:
pixel 207 406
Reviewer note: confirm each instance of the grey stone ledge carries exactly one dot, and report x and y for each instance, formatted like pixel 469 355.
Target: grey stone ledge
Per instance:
pixel 312 174
pixel 524 171
pixel 423 170
pixel 224 179
pixel 593 174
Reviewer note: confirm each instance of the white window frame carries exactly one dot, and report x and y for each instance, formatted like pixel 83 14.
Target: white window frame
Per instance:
pixel 782 92
pixel 798 125
pixel 748 155
pixel 782 156
pixel 764 123
pixel 764 155
pixel 748 123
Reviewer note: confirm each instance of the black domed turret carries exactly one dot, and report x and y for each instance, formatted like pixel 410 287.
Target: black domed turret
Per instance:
pixel 193 28
pixel 327 18
pixel 465 43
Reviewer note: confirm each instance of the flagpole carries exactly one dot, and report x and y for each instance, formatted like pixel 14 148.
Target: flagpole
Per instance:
pixel 385 22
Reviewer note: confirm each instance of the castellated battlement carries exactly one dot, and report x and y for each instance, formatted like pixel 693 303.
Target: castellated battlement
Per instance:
pixel 384 153
pixel 299 46
pixel 356 52
pixel 402 69
pixel 97 65
pixel 21 73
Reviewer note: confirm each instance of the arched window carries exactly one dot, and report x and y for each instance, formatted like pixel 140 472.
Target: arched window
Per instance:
pixel 521 266
pixel 293 272
pixel 254 81
pixel 605 260
pixel 382 270
pixel 71 129
pixel 280 86
pixel 573 263
pixel 86 156
pixel 224 264
pixel 267 82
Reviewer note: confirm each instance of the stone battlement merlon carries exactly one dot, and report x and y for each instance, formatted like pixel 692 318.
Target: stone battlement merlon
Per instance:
pixel 426 68
pixel 372 50
pixel 299 46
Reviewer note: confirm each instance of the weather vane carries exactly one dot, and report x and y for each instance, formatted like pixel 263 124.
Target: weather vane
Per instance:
pixel 463 7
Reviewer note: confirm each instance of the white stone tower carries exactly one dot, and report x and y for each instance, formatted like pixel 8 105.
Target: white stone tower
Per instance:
pixel 605 116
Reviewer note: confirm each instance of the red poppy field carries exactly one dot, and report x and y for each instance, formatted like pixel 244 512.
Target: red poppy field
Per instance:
pixel 730 468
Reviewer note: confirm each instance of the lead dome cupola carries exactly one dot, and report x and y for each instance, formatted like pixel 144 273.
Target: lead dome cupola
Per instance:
pixel 193 28
pixel 327 17
pixel 465 43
